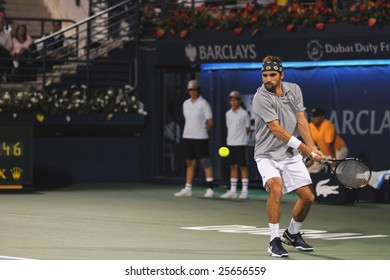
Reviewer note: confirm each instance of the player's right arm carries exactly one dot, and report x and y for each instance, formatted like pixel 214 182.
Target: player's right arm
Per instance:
pixel 285 136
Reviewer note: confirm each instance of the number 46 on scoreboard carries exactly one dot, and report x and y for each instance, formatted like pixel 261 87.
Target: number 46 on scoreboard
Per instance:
pixel 16 154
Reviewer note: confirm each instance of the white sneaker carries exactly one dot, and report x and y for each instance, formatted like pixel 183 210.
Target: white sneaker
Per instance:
pixel 243 195
pixel 230 194
pixel 209 193
pixel 184 192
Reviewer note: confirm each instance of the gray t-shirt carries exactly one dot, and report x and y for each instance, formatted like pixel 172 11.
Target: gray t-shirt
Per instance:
pixel 268 107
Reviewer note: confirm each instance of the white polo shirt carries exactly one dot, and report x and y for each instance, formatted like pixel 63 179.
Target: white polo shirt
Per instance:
pixel 237 124
pixel 196 115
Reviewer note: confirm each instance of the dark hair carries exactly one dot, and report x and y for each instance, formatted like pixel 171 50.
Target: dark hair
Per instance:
pixel 317 111
pixel 272 58
pixel 24 35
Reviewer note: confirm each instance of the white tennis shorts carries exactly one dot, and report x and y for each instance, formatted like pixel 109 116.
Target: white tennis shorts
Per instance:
pixel 292 171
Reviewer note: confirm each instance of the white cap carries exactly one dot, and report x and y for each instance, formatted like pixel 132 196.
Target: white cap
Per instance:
pixel 193 84
pixel 235 94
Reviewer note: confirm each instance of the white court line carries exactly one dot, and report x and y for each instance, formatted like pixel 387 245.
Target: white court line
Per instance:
pixel 12 258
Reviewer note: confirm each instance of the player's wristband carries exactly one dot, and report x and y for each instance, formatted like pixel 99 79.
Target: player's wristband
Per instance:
pixel 294 142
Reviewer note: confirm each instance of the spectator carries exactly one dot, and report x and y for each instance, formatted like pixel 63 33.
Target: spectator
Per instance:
pixel 238 127
pixel 21 41
pixel 114 18
pixel 20 51
pixel 120 19
pixel 326 138
pixel 148 15
pixel 55 46
pixel 6 46
pixel 129 22
pixel 7 27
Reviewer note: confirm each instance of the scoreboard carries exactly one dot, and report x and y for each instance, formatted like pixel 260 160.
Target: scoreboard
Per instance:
pixel 16 154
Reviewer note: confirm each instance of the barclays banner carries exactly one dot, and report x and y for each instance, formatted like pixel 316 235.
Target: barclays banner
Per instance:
pixel 336 42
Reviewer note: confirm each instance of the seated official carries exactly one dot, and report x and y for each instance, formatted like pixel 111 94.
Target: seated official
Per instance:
pixel 326 138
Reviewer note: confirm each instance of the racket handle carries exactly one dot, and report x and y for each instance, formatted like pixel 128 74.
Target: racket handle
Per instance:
pixel 313 154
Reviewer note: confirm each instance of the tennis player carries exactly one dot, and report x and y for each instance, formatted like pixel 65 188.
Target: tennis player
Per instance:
pixel 279 119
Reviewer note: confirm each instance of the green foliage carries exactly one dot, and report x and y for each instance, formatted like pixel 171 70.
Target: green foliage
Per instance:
pixel 74 100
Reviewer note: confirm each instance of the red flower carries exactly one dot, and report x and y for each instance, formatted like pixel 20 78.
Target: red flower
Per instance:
pixel 320 26
pixel 220 16
pixel 237 30
pixel 371 22
pixel 354 20
pixel 362 7
pixel 249 7
pixel 293 7
pixel 319 4
pixel 316 14
pixel 160 32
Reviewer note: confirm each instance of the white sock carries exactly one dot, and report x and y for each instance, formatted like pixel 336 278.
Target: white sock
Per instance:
pixel 294 227
pixel 245 184
pixel 274 230
pixel 233 184
pixel 188 187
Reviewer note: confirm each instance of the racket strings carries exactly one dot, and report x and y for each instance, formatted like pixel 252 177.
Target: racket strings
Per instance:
pixel 350 172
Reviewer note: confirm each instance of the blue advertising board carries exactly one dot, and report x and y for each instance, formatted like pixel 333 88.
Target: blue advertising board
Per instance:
pixel 356 100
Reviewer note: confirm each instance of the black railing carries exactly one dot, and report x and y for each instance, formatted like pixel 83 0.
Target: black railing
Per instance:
pixel 75 47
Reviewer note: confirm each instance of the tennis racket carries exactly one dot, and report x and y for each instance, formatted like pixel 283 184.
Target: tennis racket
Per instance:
pixel 353 173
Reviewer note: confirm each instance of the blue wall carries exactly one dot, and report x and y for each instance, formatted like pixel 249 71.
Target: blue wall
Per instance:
pixel 356 99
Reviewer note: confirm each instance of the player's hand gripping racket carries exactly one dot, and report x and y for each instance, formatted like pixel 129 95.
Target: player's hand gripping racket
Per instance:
pixel 353 173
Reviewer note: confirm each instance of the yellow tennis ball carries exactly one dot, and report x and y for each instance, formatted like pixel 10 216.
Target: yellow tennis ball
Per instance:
pixel 223 151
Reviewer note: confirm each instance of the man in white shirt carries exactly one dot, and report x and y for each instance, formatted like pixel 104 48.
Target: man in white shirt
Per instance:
pixel 6 46
pixel 198 123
